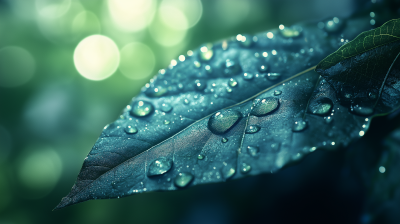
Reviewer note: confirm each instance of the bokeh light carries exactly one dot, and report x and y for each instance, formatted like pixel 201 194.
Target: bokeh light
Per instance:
pixel 137 61
pixel 192 11
pixel 131 15
pixel 51 9
pixel 86 23
pixel 17 66
pixel 96 57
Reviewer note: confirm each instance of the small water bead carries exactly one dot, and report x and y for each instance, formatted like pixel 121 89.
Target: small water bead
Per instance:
pixel 228 172
pixel 273 76
pixel 231 67
pixel 333 25
pixel 245 168
pixel 200 85
pixel 264 106
pixel 232 82
pixel 159 166
pixel 183 179
pixel 328 120
pixel 277 92
pixel 208 68
pixel 131 130
pixel 263 68
pixel 291 32
pixel 245 40
pixel 165 107
pixel 252 129
pixel 206 52
pixel 222 121
pixel 224 140
pixel 321 106
pixel 186 101
pixel 167 122
pixel 248 76
pixel 362 111
pixel 253 151
pixel 156 91
pixel 200 157
pixel 141 108
pixel 228 89
pixel 299 125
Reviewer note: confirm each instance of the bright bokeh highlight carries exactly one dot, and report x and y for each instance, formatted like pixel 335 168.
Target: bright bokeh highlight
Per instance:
pixel 96 57
pixel 137 61
pixel 192 11
pixel 17 66
pixel 52 8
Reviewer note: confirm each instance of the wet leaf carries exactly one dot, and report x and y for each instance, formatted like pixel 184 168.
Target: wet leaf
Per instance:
pixel 223 112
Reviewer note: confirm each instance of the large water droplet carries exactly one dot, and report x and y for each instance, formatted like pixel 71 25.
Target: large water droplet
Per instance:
pixel 291 32
pixel 245 168
pixel 245 40
pixel 183 179
pixel 248 76
pixel 264 106
pixel 228 171
pixel 159 166
pixel 232 82
pixel 231 67
pixel 362 111
pixel 273 76
pixel 165 107
pixel 252 129
pixel 253 151
pixel 156 91
pixel 206 52
pixel 321 106
pixel 299 125
pixel 222 121
pixel 224 140
pixel 141 108
pixel 200 85
pixel 131 130
pixel 277 92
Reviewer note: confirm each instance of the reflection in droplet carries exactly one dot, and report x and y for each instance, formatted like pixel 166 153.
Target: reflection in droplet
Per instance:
pixel 321 106
pixel 248 76
pixel 186 101
pixel 167 122
pixel 224 140
pixel 165 107
pixel 251 129
pixel 299 125
pixel 245 168
pixel 156 91
pixel 200 157
pixel 231 67
pixel 277 92
pixel 228 171
pixel 273 76
pixel 183 179
pixel 206 52
pixel 141 108
pixel 159 166
pixel 228 89
pixel 232 82
pixel 222 121
pixel 328 120
pixel 200 85
pixel 264 106
pixel 253 150
pixel 263 68
pixel 131 130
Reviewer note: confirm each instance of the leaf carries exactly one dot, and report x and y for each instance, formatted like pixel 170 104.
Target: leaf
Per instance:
pixel 365 71
pixel 176 133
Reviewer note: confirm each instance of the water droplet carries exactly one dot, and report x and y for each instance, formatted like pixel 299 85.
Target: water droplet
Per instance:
pixel 156 91
pixel 334 25
pixel 232 82
pixel 183 179
pixel 167 121
pixel 228 89
pixel 231 67
pixel 186 101
pixel 228 172
pixel 299 125
pixel 222 121
pixel 245 168
pixel 253 151
pixel 200 85
pixel 248 76
pixel 245 40
pixel 131 130
pixel 361 133
pixel 291 32
pixel 328 120
pixel 200 157
pixel 277 92
pixel 224 140
pixel 159 166
pixel 372 95
pixel 252 129
pixel 264 106
pixel 321 106
pixel 362 111
pixel 382 169
pixel 208 68
pixel 141 108
pixel 165 107
pixel 263 68
pixel 273 76
pixel 206 52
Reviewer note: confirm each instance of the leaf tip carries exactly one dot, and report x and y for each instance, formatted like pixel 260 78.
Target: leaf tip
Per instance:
pixel 65 201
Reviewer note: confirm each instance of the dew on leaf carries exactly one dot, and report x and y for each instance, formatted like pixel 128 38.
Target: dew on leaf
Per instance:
pixel 263 68
pixel 232 82
pixel 264 106
pixel 131 130
pixel 224 140
pixel 245 168
pixel 253 150
pixel 186 101
pixel 156 91
pixel 328 120
pixel 141 108
pixel 165 107
pixel 222 121
pixel 273 76
pixel 245 40
pixel 159 166
pixel 362 111
pixel 228 89
pixel 248 76
pixel 252 129
pixel 231 67
pixel 277 92
pixel 167 122
pixel 299 125
pixel 206 52
pixel 321 106
pixel 228 172
pixel 200 85
pixel 183 179
pixel 200 157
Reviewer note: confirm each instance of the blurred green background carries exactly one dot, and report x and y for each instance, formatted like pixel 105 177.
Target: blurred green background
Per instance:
pixel 68 68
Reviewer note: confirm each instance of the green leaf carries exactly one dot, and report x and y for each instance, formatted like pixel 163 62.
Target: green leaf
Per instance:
pixel 223 113
pixel 364 72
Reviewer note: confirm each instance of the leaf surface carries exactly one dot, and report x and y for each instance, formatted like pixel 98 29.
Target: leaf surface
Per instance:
pixel 223 113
